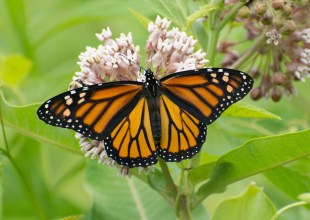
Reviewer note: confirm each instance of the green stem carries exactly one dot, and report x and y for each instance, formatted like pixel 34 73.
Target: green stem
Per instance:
pixel 279 212
pixel 216 26
pixel 230 16
pixel 248 54
pixel 184 211
pixel 182 204
pixel 3 130
pixel 166 173
pixel 212 46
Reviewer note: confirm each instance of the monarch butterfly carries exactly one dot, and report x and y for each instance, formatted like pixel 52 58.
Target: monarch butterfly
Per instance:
pixel 139 121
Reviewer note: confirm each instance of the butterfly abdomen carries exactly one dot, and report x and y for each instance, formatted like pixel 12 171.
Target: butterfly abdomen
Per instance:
pixel 156 126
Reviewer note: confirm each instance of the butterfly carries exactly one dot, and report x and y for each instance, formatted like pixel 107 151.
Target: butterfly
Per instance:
pixel 139 121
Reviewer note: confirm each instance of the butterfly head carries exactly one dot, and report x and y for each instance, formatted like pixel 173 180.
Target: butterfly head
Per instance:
pixel 149 75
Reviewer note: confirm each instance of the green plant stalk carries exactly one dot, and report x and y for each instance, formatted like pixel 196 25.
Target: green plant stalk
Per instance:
pixel 230 16
pixel 216 27
pixel 182 204
pixel 212 46
pixel 7 150
pixel 248 54
pixel 285 208
pixel 6 153
pixel 183 210
pixel 166 173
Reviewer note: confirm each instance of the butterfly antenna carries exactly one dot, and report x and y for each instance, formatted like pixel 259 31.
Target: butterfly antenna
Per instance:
pixel 130 61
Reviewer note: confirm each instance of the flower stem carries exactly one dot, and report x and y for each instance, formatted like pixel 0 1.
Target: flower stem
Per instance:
pixel 216 26
pixel 247 55
pixel 166 173
pixel 276 216
pixel 2 128
pixel 230 16
pixel 212 46
pixel 181 204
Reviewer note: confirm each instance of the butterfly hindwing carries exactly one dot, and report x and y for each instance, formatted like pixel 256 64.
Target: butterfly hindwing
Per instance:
pixel 182 134
pixel 206 93
pixel 92 110
pixel 131 142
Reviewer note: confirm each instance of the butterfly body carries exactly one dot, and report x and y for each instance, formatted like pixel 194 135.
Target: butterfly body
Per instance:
pixel 139 121
pixel 152 91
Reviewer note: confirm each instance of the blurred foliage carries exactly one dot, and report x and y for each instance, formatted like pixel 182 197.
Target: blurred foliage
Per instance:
pixel 45 176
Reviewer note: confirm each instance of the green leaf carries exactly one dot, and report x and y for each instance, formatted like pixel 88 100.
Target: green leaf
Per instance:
pixel 81 12
pixel 18 19
pixel 157 181
pixel 253 205
pixel 141 18
pixel 289 181
pixel 198 14
pixel 72 217
pixel 24 120
pixel 201 34
pixel 305 197
pixel 51 176
pixel 244 110
pixel 168 9
pixel 17 13
pixel 202 172
pixel 253 157
pixel 116 197
pixel 14 69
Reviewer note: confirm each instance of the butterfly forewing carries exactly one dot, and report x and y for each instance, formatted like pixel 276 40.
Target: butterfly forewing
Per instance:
pixel 92 110
pixel 206 93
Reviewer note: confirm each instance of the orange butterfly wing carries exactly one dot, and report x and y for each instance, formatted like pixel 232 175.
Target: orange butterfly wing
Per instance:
pixel 190 101
pixel 131 142
pixel 182 134
pixel 206 93
pixel 92 110
pixel 116 113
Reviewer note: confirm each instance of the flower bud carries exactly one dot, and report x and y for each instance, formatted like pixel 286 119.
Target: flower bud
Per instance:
pixel 230 58
pixel 287 10
pixel 255 73
pixel 260 8
pixel 276 94
pixel 266 19
pixel 244 12
pixel 277 22
pixel 289 27
pixel 278 78
pixel 277 4
pixel 256 93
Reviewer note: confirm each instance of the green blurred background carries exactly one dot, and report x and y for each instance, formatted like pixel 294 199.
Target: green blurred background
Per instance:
pixel 39 46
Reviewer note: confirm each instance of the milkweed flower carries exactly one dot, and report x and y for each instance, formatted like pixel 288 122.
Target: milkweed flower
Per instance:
pixel 116 59
pixel 280 34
